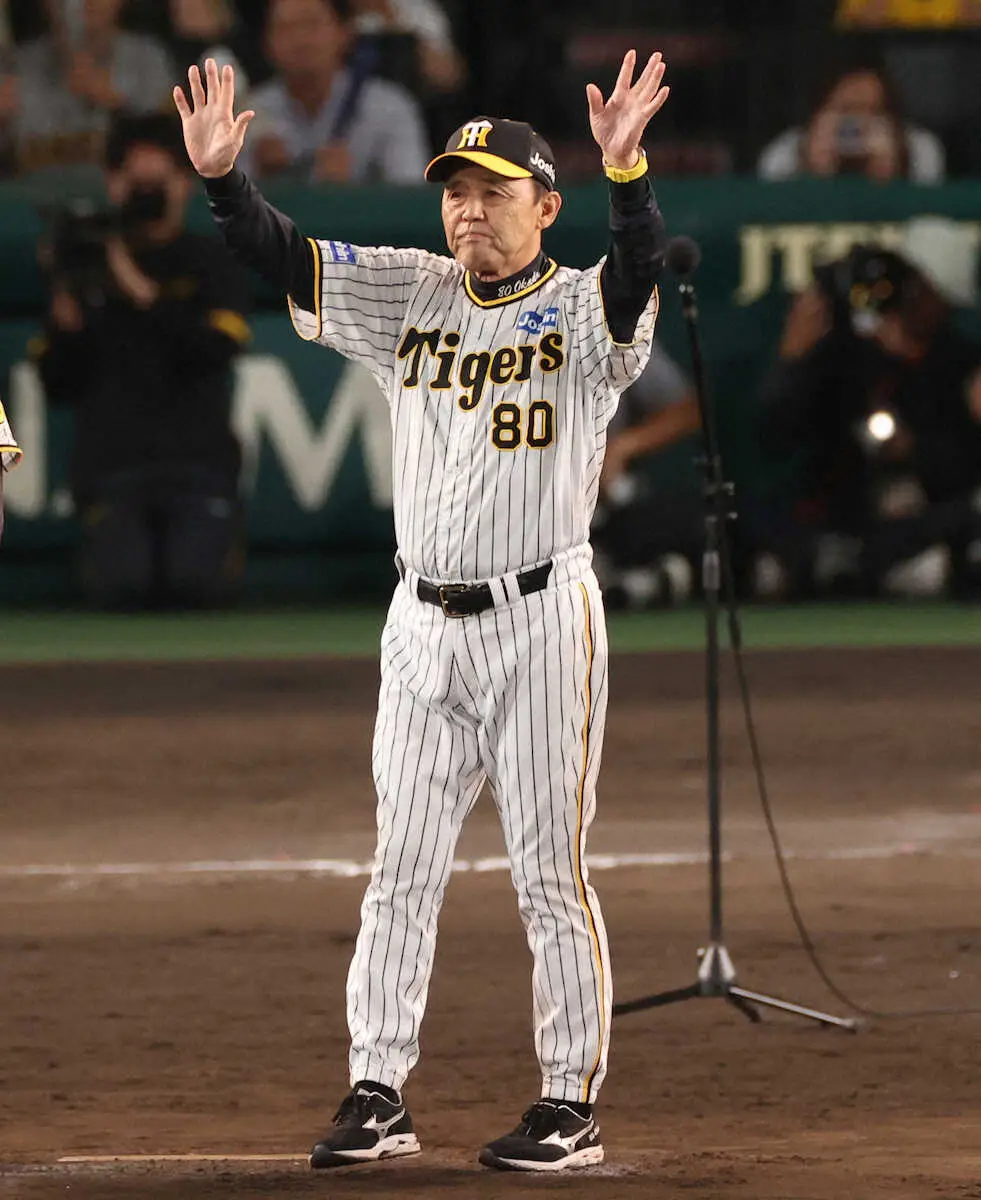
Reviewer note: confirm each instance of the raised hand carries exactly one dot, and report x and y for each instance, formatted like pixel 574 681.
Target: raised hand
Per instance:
pixel 619 123
pixel 213 134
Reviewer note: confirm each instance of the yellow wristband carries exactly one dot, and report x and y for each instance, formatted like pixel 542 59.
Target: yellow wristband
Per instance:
pixel 618 175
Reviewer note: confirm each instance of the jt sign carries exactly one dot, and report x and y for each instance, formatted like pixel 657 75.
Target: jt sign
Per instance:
pixel 784 255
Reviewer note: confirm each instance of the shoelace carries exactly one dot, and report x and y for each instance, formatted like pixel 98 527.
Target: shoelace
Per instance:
pixel 540 1120
pixel 354 1105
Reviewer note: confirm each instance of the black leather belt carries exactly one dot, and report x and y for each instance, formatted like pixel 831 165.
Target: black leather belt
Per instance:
pixel 468 599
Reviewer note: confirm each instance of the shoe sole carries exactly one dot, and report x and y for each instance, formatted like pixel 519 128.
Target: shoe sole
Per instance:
pixel 397 1146
pixel 570 1162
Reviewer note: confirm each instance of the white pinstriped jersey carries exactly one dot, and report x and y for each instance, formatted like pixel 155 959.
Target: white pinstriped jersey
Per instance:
pixel 499 408
pixel 10 452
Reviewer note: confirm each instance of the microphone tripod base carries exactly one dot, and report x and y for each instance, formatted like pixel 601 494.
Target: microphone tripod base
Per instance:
pixel 717 978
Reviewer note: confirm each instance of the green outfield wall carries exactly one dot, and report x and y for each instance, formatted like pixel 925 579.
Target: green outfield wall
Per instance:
pixel 315 430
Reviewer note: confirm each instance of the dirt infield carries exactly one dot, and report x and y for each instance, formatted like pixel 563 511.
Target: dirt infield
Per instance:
pixel 160 1012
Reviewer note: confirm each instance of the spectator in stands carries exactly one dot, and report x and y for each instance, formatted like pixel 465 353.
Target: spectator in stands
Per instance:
pixel 879 395
pixel 145 322
pixel 441 67
pixel 856 128
pixel 72 81
pixel 203 29
pixel 323 118
pixel 646 528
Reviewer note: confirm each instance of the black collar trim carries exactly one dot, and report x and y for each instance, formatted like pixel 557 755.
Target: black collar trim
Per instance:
pixel 515 287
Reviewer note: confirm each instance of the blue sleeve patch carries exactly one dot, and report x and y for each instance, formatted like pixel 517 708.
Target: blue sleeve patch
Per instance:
pixel 340 252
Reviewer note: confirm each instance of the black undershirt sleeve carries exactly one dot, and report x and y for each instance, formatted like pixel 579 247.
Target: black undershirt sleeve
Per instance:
pixel 635 258
pixel 263 238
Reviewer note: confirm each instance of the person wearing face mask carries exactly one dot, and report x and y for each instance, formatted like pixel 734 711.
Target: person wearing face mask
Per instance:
pixel 877 394
pixel 144 323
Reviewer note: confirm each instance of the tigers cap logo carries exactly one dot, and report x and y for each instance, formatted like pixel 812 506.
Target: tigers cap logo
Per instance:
pixel 474 135
pixel 512 149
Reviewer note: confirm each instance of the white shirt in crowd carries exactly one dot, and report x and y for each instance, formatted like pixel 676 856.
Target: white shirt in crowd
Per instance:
pixel 385 137
pixel 782 158
pixel 425 18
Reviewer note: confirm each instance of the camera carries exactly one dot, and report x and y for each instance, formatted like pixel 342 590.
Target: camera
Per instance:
pixel 868 282
pixel 79 231
pixel 850 138
pixel 77 248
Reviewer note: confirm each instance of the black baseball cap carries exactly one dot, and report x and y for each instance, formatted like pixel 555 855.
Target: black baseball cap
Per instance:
pixel 511 148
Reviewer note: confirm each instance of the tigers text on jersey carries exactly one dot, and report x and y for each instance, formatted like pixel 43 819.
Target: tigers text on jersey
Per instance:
pixel 499 407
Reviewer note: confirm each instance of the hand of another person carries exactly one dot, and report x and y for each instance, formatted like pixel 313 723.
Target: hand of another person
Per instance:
pixel 66 312
pixel 333 163
pixel 132 282
pixel 213 134
pixel 442 67
pixel 92 81
pixel 821 155
pixel 200 20
pixel 893 336
pixel 809 320
pixel 618 124
pixel 270 155
pixel 884 157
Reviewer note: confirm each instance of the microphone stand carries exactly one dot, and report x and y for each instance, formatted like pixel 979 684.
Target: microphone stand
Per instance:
pixel 716 974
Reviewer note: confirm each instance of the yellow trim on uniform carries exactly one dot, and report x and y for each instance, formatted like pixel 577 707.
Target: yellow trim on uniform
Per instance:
pixel 317 296
pixel 549 271
pixel 481 158
pixel 15 451
pixel 637 341
pixel 619 175
pixel 580 881
pixel 232 324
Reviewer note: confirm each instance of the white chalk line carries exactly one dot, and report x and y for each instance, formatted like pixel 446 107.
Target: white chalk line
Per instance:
pixel 353 869
pixel 100 1159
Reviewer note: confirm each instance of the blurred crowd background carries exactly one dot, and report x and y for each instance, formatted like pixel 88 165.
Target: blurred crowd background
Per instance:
pixel 870 384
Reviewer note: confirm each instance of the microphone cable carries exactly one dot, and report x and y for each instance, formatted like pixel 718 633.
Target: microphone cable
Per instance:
pixel 763 792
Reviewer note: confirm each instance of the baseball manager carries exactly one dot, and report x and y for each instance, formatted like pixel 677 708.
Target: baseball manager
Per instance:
pixel 502 369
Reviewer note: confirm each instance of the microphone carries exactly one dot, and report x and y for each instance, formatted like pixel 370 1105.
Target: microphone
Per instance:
pixel 683 256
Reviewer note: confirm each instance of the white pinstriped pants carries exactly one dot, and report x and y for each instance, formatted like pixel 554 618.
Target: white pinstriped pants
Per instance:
pixel 516 695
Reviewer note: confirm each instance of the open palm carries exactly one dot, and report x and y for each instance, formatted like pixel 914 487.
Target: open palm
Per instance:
pixel 213 134
pixel 619 123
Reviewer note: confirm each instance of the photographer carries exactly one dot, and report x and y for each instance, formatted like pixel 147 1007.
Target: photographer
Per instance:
pixel 856 128
pixel 145 321
pixel 880 395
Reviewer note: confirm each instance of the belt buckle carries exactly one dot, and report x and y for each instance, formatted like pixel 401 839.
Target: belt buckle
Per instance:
pixel 445 592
